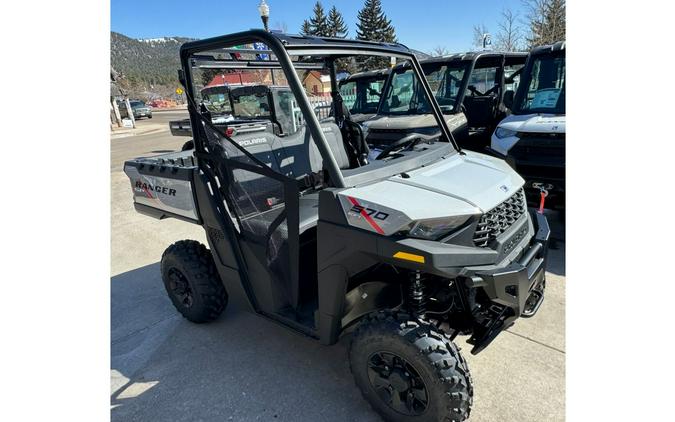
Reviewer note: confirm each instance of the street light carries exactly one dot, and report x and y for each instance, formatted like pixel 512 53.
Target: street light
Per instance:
pixel 264 10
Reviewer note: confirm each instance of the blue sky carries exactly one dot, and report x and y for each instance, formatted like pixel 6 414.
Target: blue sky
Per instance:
pixel 420 24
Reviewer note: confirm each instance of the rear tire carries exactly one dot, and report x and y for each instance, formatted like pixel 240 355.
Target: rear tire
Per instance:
pixel 409 371
pixel 188 145
pixel 192 282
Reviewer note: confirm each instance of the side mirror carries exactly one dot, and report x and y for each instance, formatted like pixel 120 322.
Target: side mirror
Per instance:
pixel 508 99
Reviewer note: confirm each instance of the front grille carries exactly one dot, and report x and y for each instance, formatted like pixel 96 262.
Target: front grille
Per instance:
pixel 499 219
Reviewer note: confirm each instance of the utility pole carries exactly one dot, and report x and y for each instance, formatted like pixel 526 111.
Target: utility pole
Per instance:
pixel 130 111
pixel 116 112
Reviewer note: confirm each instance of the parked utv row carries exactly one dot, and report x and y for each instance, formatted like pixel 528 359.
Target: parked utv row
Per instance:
pixel 403 244
pixel 532 138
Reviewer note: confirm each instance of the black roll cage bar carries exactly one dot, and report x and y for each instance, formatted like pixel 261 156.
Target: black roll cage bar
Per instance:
pixel 280 45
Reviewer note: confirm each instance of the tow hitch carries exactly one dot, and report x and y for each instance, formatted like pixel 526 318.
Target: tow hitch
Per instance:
pixel 544 188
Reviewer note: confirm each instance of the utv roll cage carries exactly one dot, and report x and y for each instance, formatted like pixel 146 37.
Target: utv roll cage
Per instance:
pixel 282 46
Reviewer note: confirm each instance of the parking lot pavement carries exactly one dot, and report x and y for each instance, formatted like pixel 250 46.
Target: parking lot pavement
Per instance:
pixel 244 368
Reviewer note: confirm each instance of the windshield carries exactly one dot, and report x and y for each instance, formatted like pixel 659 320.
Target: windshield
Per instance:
pixel 136 104
pixel 217 99
pixel 251 105
pixel 542 89
pixel 404 95
pixel 362 95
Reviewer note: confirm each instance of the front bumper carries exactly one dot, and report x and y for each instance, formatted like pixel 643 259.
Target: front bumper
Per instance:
pixel 516 290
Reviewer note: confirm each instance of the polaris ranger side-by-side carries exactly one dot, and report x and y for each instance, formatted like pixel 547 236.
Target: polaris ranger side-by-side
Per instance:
pixel 473 90
pixel 361 93
pixel 403 252
pixel 533 138
pixel 242 109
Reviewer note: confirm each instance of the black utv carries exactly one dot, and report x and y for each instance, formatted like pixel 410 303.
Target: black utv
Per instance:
pixel 401 253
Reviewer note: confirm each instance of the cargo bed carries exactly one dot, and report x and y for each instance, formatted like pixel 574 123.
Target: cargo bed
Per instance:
pixel 163 185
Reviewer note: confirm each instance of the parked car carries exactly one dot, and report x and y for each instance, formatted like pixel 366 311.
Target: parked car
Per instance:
pixel 532 138
pixel 139 108
pixel 471 89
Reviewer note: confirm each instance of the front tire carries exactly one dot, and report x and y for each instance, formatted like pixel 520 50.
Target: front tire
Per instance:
pixel 192 282
pixel 409 371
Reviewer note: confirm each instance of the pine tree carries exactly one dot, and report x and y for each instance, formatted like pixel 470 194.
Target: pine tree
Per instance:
pixel 554 21
pixel 319 22
pixel 373 25
pixel 336 24
pixel 306 28
pixel 546 20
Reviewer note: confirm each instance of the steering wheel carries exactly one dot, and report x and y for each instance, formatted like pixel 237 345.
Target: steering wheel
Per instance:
pixel 412 139
pixel 474 91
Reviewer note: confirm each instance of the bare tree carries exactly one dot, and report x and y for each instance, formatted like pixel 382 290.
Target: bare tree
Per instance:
pixel 478 32
pixel 509 35
pixel 281 26
pixel 439 50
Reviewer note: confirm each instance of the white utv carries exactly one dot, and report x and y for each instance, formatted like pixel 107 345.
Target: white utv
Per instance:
pixel 402 253
pixel 532 138
pixel 471 89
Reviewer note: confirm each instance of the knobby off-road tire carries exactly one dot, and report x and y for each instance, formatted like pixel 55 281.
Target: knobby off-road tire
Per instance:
pixel 188 145
pixel 391 355
pixel 192 282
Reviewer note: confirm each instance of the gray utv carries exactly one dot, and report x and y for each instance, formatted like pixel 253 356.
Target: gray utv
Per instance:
pixel 474 91
pixel 361 93
pixel 401 253
pixel 244 109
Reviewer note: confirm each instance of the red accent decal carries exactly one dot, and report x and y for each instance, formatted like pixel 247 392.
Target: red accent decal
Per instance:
pixel 541 202
pixel 147 192
pixel 368 218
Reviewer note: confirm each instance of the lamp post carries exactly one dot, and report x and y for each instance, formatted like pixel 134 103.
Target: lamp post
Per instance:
pixel 264 10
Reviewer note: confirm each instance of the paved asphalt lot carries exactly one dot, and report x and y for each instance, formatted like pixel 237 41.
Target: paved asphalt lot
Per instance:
pixel 245 368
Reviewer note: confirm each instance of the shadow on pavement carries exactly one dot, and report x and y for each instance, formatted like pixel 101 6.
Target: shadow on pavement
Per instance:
pixel 241 367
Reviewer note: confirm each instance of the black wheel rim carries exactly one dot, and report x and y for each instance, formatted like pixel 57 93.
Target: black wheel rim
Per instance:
pixel 180 287
pixel 397 383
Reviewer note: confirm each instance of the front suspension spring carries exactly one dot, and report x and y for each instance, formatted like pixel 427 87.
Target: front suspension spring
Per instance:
pixel 417 297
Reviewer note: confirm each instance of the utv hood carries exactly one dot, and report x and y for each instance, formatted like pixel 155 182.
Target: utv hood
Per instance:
pixel 458 185
pixel 535 123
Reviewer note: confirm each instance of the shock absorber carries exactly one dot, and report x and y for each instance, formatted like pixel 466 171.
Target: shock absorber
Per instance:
pixel 417 295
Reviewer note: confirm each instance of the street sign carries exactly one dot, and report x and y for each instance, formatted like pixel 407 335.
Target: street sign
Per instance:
pixel 179 91
pixel 261 46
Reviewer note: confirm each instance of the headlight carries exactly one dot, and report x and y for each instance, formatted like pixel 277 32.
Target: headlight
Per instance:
pixel 434 228
pixel 504 133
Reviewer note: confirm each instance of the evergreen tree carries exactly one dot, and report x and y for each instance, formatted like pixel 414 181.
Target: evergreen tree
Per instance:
pixel 336 24
pixel 306 28
pixel 319 22
pixel 373 25
pixel 555 21
pixel 546 20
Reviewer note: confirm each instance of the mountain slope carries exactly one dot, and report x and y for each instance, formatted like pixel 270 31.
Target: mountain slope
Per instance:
pixel 149 66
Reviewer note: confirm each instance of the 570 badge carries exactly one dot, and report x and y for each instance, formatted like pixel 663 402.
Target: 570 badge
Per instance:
pixel 370 212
